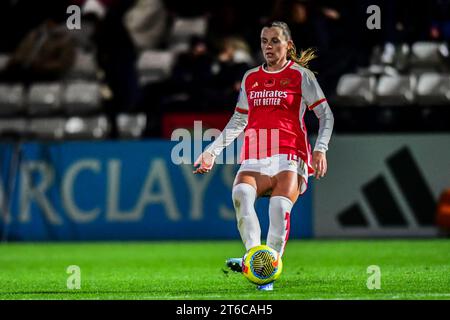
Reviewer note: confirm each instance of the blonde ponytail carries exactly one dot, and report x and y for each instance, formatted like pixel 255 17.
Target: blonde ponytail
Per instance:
pixel 303 58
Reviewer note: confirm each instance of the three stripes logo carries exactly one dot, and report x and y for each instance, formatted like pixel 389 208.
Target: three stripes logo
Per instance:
pixel 382 201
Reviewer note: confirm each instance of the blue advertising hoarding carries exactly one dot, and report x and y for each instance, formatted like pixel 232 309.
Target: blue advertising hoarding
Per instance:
pixel 121 190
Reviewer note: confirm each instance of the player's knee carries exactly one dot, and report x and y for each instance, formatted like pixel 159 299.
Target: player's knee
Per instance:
pixel 279 205
pixel 243 193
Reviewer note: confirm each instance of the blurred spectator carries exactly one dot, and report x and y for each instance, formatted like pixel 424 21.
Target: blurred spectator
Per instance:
pixel 321 26
pixel 200 81
pixel 183 91
pixel 19 17
pixel 230 64
pixel 147 23
pixel 211 82
pixel 306 21
pixel 116 54
pixel 238 18
pixel 192 72
pixel 45 54
pixel 403 23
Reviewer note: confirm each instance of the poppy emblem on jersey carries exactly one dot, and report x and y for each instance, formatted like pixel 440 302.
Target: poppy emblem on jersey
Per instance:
pixel 255 85
pixel 269 83
pixel 284 82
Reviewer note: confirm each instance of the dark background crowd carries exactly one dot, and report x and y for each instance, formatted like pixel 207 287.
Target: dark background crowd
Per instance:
pixel 207 67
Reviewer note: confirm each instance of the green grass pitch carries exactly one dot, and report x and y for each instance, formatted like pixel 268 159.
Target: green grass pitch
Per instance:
pixel 313 269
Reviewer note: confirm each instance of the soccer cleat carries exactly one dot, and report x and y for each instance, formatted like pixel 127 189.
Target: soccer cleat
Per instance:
pixel 234 264
pixel 265 287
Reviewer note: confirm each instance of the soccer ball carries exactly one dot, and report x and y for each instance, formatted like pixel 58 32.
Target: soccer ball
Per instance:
pixel 261 265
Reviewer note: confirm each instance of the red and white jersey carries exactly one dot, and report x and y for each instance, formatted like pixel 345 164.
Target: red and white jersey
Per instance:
pixel 275 103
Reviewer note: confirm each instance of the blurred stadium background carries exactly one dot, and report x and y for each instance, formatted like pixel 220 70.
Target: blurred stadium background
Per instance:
pixel 86 118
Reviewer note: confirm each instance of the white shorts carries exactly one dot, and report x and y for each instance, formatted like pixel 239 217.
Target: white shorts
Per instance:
pixel 275 164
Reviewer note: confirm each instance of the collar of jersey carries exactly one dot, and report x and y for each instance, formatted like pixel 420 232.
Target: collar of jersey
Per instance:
pixel 288 64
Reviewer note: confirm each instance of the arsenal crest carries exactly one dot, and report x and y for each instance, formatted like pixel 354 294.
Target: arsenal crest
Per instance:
pixel 285 82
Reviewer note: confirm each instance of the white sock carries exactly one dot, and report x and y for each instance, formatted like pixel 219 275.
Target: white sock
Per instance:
pixel 279 214
pixel 244 196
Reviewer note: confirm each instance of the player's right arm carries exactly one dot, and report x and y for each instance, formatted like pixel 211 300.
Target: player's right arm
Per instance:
pixel 232 130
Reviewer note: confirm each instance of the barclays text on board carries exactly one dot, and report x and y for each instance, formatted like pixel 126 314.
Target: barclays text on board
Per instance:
pixel 118 190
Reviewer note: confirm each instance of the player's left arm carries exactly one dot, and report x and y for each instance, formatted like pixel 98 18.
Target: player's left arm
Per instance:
pixel 317 102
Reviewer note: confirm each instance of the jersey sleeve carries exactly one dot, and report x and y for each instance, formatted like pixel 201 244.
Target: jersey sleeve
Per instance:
pixel 311 91
pixel 242 103
pixel 316 101
pixel 232 130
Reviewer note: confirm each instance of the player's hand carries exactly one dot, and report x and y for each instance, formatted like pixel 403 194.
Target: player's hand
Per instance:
pixel 319 164
pixel 204 162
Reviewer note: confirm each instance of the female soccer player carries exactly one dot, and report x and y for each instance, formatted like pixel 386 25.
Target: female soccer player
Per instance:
pixel 276 156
